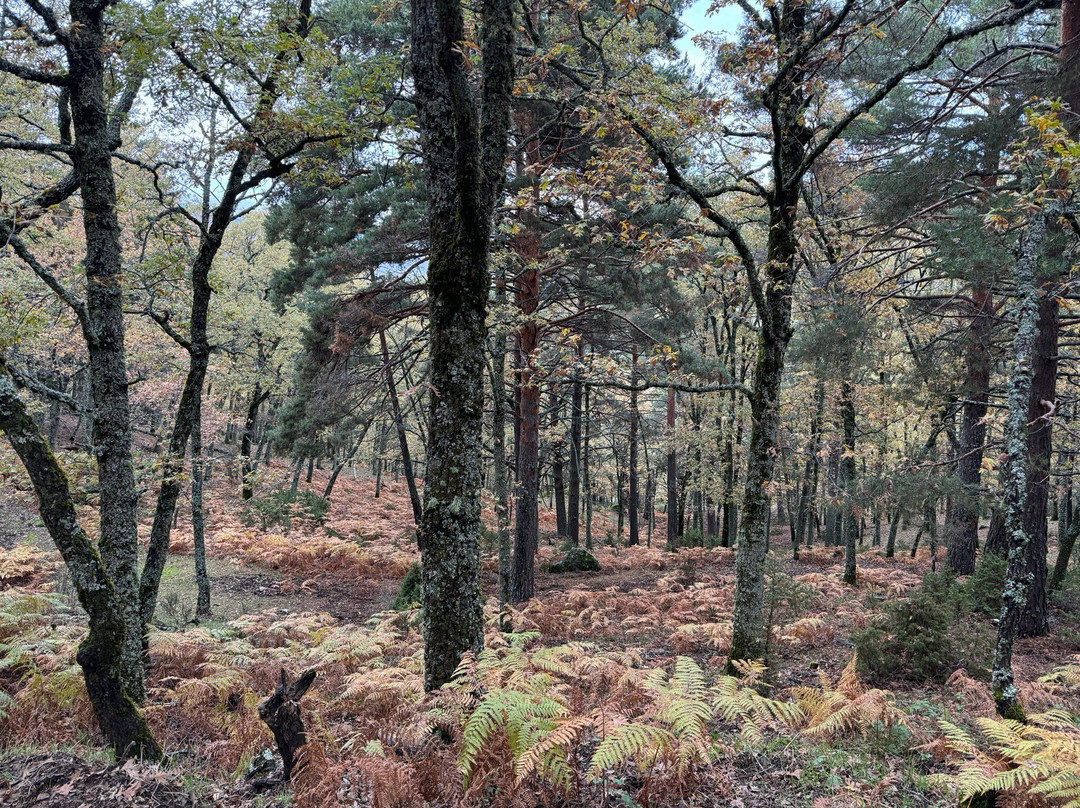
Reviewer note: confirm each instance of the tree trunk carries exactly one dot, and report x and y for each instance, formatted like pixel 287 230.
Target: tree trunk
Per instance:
pixel 848 468
pixel 1017 487
pixel 962 526
pixel 345 461
pixel 573 498
pixel 526 515
pixel 573 501
pixel 214 225
pixel 894 524
pixel 298 468
pixel 586 479
pixel 810 471
pixel 672 475
pixel 557 467
pixel 1035 620
pixel 632 453
pixel 1065 548
pixel 247 476
pixel 103 327
pixel 198 517
pixel 463 167
pixel 833 513
pixel 748 640
pixel 499 470
pixel 997 542
pixel 399 424
pixel 101 654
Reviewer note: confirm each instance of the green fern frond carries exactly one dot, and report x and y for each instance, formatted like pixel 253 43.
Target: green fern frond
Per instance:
pixel 544 753
pixel 690 678
pixel 1042 757
pixel 634 743
pixel 509 710
pixel 957 738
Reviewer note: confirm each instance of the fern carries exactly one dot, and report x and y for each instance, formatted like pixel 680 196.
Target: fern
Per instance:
pixel 525 716
pixel 1067 675
pixel 635 742
pixel 1041 757
pixel 845 708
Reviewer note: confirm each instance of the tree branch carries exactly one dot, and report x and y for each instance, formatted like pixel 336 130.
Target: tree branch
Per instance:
pixel 32 74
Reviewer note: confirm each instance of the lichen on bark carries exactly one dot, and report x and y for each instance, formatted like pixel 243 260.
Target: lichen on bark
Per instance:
pixel 463 144
pixel 1018 578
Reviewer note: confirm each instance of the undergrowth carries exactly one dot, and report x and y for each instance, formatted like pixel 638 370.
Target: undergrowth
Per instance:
pixel 927 635
pixel 599 698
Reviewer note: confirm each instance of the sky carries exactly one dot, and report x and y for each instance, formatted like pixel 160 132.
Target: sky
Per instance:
pixel 694 18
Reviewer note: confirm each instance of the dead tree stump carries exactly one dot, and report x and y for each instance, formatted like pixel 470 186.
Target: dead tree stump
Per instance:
pixel 281 712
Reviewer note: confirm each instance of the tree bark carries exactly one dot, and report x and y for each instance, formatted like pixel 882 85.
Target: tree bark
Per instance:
pixel 748 639
pixel 586 478
pixel 635 537
pixel 810 472
pixel 103 328
pixel 526 508
pixel 672 475
pixel 335 472
pixel 1017 437
pixel 962 528
pixel 247 476
pixel 463 167
pixel 573 499
pixel 198 516
pixel 101 654
pixel 1035 620
pixel 557 467
pixel 851 515
pixel 1065 549
pixel 499 470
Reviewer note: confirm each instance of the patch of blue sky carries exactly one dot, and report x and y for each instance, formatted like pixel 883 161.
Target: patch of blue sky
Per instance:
pixel 696 20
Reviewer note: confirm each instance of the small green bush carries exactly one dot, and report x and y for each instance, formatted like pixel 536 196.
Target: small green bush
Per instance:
pixel 913 640
pixel 981 592
pixel 411 590
pixel 281 507
pixel 1067 597
pixel 691 538
pixel 577 559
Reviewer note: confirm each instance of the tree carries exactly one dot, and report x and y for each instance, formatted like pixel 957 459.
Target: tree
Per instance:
pixel 790 54
pixel 105 577
pixel 464 151
pixel 264 149
pixel 1047 164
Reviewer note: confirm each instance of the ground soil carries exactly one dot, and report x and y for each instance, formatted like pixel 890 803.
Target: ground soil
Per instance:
pixel 59 780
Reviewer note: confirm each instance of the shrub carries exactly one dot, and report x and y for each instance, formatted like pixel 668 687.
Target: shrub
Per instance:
pixel 281 507
pixel 411 590
pixel 981 592
pixel 577 559
pixel 691 538
pixel 914 639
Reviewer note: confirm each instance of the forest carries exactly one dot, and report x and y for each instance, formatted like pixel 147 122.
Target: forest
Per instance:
pixel 539 403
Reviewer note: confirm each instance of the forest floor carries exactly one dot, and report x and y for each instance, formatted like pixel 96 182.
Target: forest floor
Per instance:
pixel 317 595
